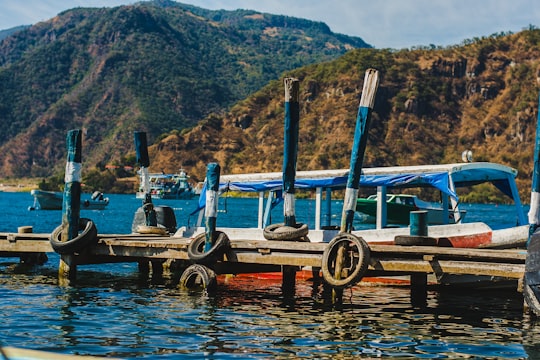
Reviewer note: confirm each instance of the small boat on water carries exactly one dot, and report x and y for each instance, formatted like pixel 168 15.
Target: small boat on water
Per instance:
pixel 167 186
pixel 52 200
pixel 16 353
pixel 446 178
pixel 399 206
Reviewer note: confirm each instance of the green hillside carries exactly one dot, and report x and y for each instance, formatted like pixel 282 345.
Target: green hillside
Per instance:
pixel 155 66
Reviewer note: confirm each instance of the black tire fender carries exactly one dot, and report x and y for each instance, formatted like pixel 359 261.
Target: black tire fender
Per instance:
pixel 198 276
pixel 282 232
pixel 355 255
pixel 412 240
pixel 196 251
pixel 86 238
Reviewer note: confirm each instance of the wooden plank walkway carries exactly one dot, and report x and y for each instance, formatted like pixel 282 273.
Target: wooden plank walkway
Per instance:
pixel 248 255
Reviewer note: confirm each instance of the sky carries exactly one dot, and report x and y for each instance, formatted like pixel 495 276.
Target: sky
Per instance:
pixel 395 24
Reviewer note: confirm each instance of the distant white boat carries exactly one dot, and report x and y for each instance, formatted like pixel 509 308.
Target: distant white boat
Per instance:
pixel 52 200
pixel 168 186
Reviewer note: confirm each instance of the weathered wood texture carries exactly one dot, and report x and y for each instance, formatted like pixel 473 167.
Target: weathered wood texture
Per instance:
pixel 246 256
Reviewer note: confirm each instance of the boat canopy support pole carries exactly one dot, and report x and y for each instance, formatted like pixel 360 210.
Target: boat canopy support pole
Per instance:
pixel 266 217
pixel 261 210
pixel 445 208
pixel 521 218
pixel 454 202
pixel 318 206
pixel 382 215
pixel 328 215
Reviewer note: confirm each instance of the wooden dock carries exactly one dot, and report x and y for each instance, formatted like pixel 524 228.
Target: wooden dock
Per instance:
pixel 248 256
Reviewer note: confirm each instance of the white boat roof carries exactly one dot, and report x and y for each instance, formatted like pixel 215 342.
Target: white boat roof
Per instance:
pixel 443 177
pixel 473 172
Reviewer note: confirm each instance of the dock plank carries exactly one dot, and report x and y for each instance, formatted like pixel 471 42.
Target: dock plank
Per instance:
pixel 246 254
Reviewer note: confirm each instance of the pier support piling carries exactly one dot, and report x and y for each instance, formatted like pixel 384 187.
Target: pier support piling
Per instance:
pixel 418 227
pixel 290 153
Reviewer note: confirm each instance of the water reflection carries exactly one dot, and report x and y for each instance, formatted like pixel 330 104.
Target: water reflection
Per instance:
pixel 250 318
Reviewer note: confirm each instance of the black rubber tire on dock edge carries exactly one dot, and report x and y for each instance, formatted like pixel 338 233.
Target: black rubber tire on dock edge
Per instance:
pixel 86 238
pixel 356 260
pixel 415 240
pixel 198 276
pixel 196 251
pixel 282 232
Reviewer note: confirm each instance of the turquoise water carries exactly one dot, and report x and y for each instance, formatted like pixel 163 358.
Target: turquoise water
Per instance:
pixel 113 312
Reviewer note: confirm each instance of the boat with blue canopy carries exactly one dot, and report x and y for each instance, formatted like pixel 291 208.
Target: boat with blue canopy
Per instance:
pixel 448 179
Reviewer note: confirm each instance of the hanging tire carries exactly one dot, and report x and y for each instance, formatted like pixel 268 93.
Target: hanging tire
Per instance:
pixel 198 277
pixel 282 232
pixel 345 260
pixel 196 251
pixel 86 238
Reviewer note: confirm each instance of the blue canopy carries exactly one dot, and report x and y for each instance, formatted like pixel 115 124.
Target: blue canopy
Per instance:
pixel 436 180
pixel 444 177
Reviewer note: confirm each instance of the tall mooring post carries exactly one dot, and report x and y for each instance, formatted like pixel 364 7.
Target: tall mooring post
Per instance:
pixel 71 205
pixel 418 227
pixel 290 153
pixel 531 281
pixel 213 171
pixel 141 149
pixel 340 242
pixel 363 118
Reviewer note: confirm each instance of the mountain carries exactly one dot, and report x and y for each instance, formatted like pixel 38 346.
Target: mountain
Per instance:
pixel 154 66
pixel 432 104
pixel 5 33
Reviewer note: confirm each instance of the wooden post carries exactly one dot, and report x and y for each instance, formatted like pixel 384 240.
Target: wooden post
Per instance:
pixel 531 280
pixel 212 192
pixel 290 153
pixel 71 205
pixel 141 149
pixel 534 212
pixel 290 148
pixel 72 190
pixel 418 227
pixel 371 82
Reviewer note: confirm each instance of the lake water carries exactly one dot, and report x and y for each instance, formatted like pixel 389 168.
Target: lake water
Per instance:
pixel 113 312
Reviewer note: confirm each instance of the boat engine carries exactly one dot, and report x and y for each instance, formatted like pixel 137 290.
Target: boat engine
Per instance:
pixel 164 214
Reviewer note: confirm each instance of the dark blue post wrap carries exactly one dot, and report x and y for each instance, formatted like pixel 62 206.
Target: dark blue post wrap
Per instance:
pixel 141 148
pixel 72 189
pixel 290 146
pixel 212 182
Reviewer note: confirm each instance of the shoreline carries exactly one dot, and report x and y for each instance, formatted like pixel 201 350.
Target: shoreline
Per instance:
pixel 22 187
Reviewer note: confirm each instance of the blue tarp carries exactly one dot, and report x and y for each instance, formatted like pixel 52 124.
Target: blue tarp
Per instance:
pixel 437 180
